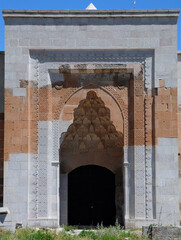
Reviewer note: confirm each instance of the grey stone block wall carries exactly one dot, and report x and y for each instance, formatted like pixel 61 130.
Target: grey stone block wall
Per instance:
pixel 166 181
pixel 16 190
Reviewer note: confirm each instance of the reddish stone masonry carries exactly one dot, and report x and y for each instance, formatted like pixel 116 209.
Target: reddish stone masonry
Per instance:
pixel 147 114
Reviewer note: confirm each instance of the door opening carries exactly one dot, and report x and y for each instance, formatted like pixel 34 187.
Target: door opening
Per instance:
pixel 91 196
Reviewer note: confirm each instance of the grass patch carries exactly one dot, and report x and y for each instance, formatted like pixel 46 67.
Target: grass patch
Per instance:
pixel 69 228
pixel 5 235
pixel 102 233
pixel 28 234
pixel 88 234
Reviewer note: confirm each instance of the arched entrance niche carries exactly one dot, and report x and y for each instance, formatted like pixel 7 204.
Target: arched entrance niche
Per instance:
pixel 93 139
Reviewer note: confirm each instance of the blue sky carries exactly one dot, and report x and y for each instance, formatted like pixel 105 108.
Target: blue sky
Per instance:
pixel 82 4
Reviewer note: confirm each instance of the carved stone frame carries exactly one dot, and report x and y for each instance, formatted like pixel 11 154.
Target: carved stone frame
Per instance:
pixel 41 63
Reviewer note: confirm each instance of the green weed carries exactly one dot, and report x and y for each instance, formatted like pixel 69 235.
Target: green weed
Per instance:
pixel 69 228
pixel 110 233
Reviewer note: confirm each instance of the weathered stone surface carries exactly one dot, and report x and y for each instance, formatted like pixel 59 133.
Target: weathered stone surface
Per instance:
pixel 162 232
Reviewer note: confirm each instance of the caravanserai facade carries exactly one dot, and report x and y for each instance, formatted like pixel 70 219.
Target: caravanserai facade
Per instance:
pixel 90 126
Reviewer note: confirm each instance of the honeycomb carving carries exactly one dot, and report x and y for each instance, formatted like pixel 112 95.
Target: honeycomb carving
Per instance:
pixel 92 128
pixel 92 138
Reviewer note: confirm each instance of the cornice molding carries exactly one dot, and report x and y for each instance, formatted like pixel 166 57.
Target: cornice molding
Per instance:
pixel 123 13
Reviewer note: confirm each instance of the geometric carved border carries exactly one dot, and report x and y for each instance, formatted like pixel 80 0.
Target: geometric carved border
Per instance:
pixel 148 157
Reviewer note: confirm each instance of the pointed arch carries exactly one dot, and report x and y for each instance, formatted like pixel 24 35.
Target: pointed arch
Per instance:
pixel 110 90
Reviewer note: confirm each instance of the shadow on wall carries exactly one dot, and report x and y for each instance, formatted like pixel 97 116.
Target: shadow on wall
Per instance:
pixel 2 217
pixel 92 21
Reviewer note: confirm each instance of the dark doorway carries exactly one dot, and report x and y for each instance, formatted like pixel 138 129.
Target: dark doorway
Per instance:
pixel 91 196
